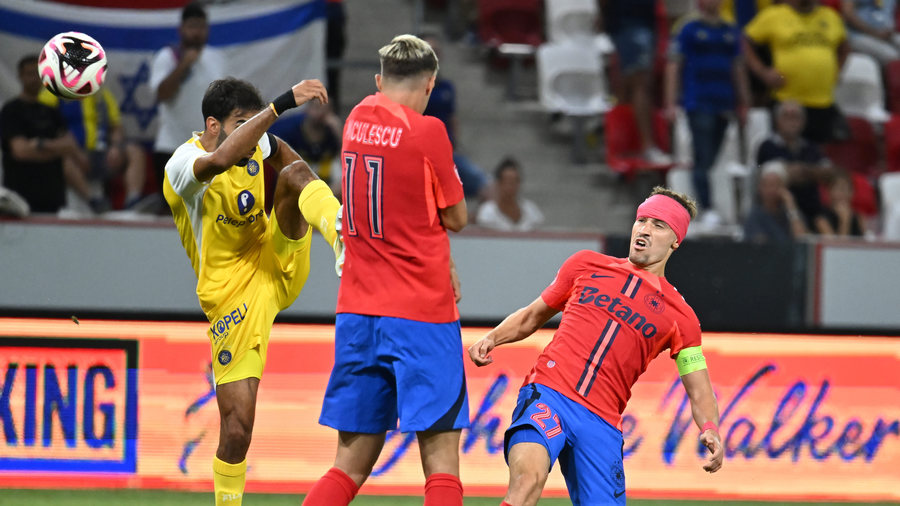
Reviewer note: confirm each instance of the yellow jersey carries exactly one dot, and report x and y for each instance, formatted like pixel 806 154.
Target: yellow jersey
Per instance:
pixel 804 50
pixel 222 222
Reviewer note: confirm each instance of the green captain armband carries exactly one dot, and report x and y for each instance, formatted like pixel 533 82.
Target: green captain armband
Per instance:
pixel 690 360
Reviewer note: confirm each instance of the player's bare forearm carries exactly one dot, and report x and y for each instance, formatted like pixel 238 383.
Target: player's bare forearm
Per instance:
pixel 705 411
pixel 235 146
pixel 514 327
pixel 703 401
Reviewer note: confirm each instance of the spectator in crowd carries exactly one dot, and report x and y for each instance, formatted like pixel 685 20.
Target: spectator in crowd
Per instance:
pixel 839 218
pixel 315 134
pixel 507 210
pixel 179 76
pixel 809 47
pixel 632 26
pixel 442 105
pixel 774 217
pixel 95 121
pixel 705 65
pixel 740 12
pixel 871 24
pixel 806 166
pixel 35 143
pixel 335 42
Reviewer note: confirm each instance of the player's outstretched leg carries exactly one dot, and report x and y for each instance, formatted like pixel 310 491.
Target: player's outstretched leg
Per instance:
pixel 301 198
pixel 529 465
pixel 356 456
pixel 237 409
pixel 440 463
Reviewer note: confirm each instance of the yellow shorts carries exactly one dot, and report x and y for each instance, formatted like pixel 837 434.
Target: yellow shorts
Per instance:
pixel 241 322
pixel 251 366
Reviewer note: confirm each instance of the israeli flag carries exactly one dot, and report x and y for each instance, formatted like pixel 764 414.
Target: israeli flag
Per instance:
pixel 271 43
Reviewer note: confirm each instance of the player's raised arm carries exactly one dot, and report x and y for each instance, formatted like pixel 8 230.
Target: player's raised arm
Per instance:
pixel 704 407
pixel 246 136
pixel 514 327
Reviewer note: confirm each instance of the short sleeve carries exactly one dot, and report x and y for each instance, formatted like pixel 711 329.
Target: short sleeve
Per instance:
pixel 759 29
pixel 163 64
pixel 838 24
pixel 265 146
pixel 677 45
pixel 560 288
pixel 686 335
pixel 180 170
pixel 439 153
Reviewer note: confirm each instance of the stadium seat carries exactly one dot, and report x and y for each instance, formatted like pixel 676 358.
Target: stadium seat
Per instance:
pixel 889 189
pixel 571 19
pixel 859 153
pixel 623 143
pixel 892 143
pixel 571 81
pixel 892 77
pixel 513 29
pixel 510 22
pixel 860 91
pixel 864 201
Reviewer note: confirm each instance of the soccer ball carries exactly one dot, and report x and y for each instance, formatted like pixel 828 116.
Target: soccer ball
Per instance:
pixel 72 65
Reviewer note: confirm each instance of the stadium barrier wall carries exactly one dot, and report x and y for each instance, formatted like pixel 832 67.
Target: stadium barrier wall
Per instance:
pixel 115 404
pixel 104 268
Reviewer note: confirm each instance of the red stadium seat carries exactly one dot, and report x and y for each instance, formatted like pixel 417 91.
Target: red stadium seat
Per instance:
pixel 859 153
pixel 510 22
pixel 834 4
pixel 892 143
pixel 892 74
pixel 623 143
pixel 864 201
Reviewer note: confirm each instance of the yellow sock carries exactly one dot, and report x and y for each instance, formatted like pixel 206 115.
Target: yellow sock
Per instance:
pixel 320 209
pixel 228 481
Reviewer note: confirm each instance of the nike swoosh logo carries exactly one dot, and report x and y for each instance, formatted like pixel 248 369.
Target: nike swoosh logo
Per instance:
pixel 595 276
pixel 619 494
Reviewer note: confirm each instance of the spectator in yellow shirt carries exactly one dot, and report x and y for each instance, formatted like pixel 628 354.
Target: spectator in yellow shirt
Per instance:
pixel 809 47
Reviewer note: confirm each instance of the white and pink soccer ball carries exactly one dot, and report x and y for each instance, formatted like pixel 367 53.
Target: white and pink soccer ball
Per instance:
pixel 72 65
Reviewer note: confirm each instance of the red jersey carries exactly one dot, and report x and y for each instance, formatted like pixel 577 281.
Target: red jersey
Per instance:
pixel 616 318
pixel 398 172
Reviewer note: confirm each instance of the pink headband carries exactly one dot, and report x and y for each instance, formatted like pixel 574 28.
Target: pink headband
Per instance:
pixel 666 209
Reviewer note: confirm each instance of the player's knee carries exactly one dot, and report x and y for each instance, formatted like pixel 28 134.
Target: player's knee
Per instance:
pixel 237 436
pixel 296 176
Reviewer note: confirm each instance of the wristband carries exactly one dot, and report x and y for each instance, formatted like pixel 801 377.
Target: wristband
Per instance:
pixel 283 102
pixel 707 426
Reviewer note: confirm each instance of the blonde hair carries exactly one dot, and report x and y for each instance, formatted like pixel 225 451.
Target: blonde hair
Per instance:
pixel 407 56
pixel 687 202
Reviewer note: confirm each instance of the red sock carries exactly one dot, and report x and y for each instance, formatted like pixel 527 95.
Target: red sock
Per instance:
pixel 504 503
pixel 334 488
pixel 443 490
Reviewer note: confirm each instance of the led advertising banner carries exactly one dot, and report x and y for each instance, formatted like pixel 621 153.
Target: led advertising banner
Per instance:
pixel 132 404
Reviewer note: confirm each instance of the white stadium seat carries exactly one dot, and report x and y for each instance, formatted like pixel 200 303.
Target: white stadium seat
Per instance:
pixel 568 19
pixel 860 91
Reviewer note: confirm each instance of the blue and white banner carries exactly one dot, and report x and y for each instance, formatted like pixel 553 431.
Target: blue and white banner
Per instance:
pixel 271 43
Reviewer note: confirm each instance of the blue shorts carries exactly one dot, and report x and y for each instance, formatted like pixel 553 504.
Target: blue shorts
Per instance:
pixel 636 47
pixel 588 448
pixel 385 368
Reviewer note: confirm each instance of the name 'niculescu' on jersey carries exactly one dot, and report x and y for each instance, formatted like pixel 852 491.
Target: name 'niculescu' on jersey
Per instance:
pixel 372 134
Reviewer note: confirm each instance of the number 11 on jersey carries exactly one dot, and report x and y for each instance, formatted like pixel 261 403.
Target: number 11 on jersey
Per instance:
pixel 373 192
